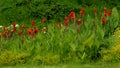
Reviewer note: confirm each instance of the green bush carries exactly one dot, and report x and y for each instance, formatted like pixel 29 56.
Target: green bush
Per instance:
pixel 21 10
pixel 24 10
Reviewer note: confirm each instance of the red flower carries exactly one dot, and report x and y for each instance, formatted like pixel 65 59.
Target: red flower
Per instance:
pixel 60 25
pixel 109 13
pixel 23 26
pixel 95 10
pixel 8 31
pixel 32 22
pixel 105 11
pixel 66 23
pixel 14 30
pixel 79 21
pixel 35 30
pixel 14 27
pixel 82 11
pixel 5 35
pixel 72 15
pixel 0 35
pixel 20 32
pixel 30 31
pixel 66 18
pixel 43 20
pixel 103 21
pixel 4 28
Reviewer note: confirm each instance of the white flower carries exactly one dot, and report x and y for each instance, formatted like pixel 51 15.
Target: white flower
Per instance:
pixel 17 25
pixel 1 26
pixel 44 27
pixel 44 32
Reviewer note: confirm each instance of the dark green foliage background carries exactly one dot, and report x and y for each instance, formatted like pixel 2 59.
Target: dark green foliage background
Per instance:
pixel 25 10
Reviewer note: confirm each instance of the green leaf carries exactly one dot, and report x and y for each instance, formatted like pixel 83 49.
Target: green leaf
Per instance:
pixel 100 32
pixel 73 47
pixel 83 56
pixel 89 23
pixel 89 41
pixel 97 44
pixel 115 14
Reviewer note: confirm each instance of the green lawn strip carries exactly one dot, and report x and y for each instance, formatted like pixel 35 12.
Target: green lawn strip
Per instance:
pixel 95 65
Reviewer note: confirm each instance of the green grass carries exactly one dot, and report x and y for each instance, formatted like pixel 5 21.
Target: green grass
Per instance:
pixel 98 65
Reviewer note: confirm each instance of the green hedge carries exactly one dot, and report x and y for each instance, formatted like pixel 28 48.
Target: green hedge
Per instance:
pixel 22 10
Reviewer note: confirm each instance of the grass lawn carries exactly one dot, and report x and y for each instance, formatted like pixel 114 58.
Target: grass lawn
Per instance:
pixel 98 65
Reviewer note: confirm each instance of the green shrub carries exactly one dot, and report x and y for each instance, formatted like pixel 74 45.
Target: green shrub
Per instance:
pixel 25 10
pixel 10 58
pixel 47 59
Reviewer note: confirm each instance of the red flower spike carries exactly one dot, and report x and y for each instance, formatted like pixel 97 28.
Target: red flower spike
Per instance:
pixel 0 35
pixel 14 24
pixel 8 31
pixel 72 15
pixel 66 18
pixel 23 26
pixel 32 22
pixel 14 30
pixel 82 11
pixel 95 10
pixel 105 11
pixel 103 21
pixel 60 25
pixel 20 32
pixel 35 30
pixel 22 40
pixel 14 27
pixel 30 31
pixel 4 28
pixel 66 23
pixel 4 35
pixel 109 13
pixel 43 20
pixel 79 21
